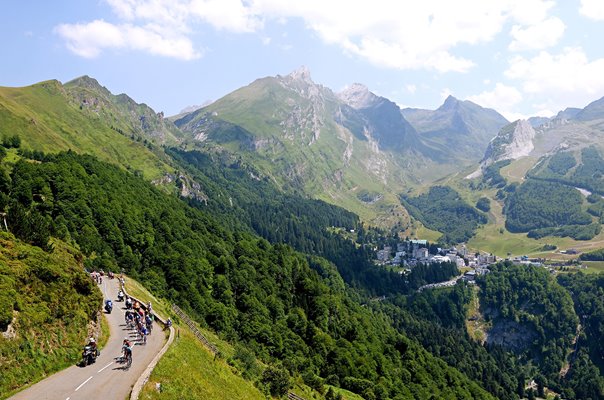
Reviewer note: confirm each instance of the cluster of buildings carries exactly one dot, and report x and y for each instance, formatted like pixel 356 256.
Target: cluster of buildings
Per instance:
pixel 411 252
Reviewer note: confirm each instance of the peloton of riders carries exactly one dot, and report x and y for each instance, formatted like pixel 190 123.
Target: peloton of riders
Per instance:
pixel 136 317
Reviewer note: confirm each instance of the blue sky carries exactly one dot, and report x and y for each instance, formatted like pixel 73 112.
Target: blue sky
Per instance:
pixel 521 57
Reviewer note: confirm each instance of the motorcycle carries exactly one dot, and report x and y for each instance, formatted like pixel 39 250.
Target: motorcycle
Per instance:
pixel 120 296
pixel 89 355
pixel 108 306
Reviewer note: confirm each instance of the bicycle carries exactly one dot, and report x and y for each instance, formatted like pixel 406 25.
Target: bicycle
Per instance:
pixel 125 359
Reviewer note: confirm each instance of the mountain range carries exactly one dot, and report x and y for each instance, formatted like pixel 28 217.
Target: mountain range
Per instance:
pixel 354 148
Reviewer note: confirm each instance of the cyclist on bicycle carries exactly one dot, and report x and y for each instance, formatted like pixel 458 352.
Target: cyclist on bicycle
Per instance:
pixel 127 350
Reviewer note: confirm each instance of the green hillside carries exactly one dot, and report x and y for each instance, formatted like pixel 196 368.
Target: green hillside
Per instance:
pixel 47 306
pixel 52 117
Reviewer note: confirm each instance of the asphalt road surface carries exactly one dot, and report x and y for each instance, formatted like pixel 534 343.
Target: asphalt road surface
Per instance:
pixel 106 379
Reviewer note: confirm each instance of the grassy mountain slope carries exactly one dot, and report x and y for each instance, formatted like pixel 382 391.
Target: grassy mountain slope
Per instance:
pixel 355 149
pixel 137 119
pixel 47 303
pixel 287 128
pixel 188 370
pixel 84 117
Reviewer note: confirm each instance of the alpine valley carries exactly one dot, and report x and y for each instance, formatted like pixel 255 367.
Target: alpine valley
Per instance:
pixel 261 214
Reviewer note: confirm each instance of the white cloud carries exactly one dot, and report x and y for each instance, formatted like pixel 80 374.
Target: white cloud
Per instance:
pixel 229 15
pixel 502 98
pixel 539 36
pixel 387 33
pixel 411 88
pixel 593 9
pixel 543 110
pixel 158 27
pixel 87 40
pixel 90 39
pixel 567 78
pixel 390 33
pixel 530 12
pixel 567 72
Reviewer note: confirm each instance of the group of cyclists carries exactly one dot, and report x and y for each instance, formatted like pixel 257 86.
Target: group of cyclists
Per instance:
pixel 136 317
pixel 97 276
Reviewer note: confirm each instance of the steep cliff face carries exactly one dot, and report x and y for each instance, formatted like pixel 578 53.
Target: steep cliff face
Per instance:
pixel 358 96
pixel 382 119
pixel 513 141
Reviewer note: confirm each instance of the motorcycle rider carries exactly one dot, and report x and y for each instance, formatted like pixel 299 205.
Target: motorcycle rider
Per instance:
pixel 108 306
pixel 120 296
pixel 93 347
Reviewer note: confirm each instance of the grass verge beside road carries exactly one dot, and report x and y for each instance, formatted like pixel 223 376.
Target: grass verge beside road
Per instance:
pixel 188 371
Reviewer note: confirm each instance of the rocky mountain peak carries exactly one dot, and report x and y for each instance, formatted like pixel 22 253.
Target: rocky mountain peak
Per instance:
pixel 87 82
pixel 450 104
pixel 300 82
pixel 301 74
pixel 357 96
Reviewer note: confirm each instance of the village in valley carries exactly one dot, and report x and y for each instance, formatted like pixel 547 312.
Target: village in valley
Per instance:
pixel 411 252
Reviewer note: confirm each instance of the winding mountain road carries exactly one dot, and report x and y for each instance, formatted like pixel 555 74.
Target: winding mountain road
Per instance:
pixel 106 379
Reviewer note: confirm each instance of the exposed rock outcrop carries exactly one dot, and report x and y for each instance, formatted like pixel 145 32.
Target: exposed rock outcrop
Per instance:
pixel 358 96
pixel 513 141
